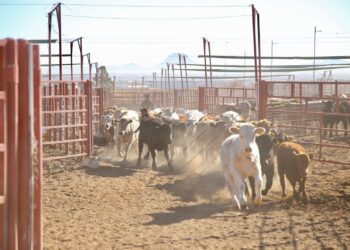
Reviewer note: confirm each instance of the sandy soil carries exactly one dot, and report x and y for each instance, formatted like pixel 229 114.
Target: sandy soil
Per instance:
pixel 121 207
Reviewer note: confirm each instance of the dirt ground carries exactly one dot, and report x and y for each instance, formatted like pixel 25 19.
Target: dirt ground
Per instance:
pixel 122 207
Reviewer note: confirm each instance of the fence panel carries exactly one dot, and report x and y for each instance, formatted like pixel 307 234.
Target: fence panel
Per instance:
pixel 20 141
pixel 217 100
pixel 297 108
pixel 67 119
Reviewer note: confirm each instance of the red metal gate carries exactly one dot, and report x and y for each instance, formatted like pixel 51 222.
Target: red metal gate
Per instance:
pixel 296 107
pixel 20 143
pixel 67 119
pixel 97 108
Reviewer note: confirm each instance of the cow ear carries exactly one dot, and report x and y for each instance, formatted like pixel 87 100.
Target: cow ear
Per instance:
pixel 130 121
pixel 259 131
pixel 233 130
pixel 116 120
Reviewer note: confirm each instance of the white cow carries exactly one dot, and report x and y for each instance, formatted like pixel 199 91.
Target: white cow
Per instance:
pixel 240 159
pixel 230 117
pixel 127 125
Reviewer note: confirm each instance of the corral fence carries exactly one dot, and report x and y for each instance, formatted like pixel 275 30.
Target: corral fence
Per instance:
pixel 297 108
pixel 20 143
pixel 67 119
pixel 212 100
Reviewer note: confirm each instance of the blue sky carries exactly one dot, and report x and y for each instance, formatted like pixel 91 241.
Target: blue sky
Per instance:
pixel 145 42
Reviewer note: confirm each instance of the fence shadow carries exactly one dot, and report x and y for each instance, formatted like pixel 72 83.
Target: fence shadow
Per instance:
pixel 110 171
pixel 181 213
pixel 192 187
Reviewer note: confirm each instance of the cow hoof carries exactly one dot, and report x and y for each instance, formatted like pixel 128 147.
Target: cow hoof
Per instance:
pixel 305 198
pixel 138 163
pixel 154 166
pixel 257 201
pixel 284 195
pixel 264 192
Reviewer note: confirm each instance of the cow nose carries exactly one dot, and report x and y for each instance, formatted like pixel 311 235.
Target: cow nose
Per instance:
pixel 248 149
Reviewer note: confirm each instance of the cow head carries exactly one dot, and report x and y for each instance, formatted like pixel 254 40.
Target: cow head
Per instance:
pixel 107 121
pixel 303 160
pixel 329 106
pixel 247 133
pixel 123 125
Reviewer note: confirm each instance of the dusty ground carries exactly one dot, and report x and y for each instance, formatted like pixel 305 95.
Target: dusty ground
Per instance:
pixel 121 207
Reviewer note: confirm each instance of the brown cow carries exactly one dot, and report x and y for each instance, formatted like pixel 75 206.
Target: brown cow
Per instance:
pixel 293 162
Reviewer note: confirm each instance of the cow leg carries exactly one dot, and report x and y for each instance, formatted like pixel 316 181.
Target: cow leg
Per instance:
pixel 231 187
pixel 269 179
pixel 345 124
pixel 258 187
pixel 172 151
pixel 153 153
pixel 295 193
pixel 239 188
pixel 127 147
pixel 331 127
pixel 282 181
pixel 303 191
pixel 119 148
pixel 252 186
pixel 146 157
pixel 184 151
pixel 140 153
pixel 166 154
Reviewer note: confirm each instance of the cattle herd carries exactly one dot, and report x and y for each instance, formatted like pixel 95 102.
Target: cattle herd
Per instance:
pixel 247 149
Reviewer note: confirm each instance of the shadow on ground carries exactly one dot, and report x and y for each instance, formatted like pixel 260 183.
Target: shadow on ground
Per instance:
pixel 182 213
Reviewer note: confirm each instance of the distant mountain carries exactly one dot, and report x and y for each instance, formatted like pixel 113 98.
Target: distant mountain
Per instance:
pixel 173 59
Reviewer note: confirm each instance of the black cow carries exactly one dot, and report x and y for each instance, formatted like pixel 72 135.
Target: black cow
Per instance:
pixel 157 136
pixel 330 107
pixel 265 144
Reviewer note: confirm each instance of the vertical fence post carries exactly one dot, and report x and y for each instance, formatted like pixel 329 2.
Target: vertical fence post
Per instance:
pixel 263 88
pixel 88 120
pixel 201 98
pixel 11 90
pixel 37 161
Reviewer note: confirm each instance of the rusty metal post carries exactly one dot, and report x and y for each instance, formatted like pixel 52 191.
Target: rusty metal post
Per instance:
pixel 172 67
pixel 168 76
pixel 88 118
pixel 59 19
pixel 180 63
pixel 11 91
pixel 263 94
pixel 259 45
pixel 24 163
pixel 37 161
pixel 211 74
pixel 49 41
pixel 254 44
pixel 201 98
pixel 80 43
pixel 71 60
pixel 3 148
pixel 205 62
pixel 186 71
